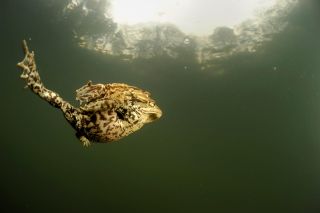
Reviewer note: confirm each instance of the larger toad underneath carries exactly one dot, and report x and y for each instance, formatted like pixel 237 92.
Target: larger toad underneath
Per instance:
pixel 107 112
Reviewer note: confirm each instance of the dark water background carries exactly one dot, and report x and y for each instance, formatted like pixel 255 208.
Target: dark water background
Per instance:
pixel 247 141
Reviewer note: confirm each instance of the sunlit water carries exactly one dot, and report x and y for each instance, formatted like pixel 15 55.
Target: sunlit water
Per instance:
pixel 240 125
pixel 207 29
pixel 195 17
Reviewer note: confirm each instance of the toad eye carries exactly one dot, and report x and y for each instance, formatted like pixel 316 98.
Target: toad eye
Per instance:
pixel 121 112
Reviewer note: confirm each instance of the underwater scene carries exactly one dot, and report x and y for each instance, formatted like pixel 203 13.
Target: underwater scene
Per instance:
pixel 160 106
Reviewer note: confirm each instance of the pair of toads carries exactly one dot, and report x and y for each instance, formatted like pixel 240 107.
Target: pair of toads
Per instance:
pixel 107 112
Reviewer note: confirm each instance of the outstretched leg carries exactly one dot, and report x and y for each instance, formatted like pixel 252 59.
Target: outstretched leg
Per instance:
pixel 31 75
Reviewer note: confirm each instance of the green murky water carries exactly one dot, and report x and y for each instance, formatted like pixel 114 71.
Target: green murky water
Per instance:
pixel 240 136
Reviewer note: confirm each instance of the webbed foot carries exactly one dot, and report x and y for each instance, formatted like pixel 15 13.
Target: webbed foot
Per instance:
pixel 29 69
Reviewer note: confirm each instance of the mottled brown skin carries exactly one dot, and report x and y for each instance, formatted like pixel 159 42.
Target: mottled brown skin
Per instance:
pixel 107 112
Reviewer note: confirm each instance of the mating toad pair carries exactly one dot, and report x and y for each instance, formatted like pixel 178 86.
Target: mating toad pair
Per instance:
pixel 107 112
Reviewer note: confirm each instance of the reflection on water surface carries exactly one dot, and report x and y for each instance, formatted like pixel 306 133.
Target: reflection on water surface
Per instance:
pixel 100 26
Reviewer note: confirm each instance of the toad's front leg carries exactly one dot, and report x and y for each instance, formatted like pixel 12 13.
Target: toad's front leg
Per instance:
pixel 83 139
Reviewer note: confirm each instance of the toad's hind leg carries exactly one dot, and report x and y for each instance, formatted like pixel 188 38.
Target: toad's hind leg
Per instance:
pixel 31 75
